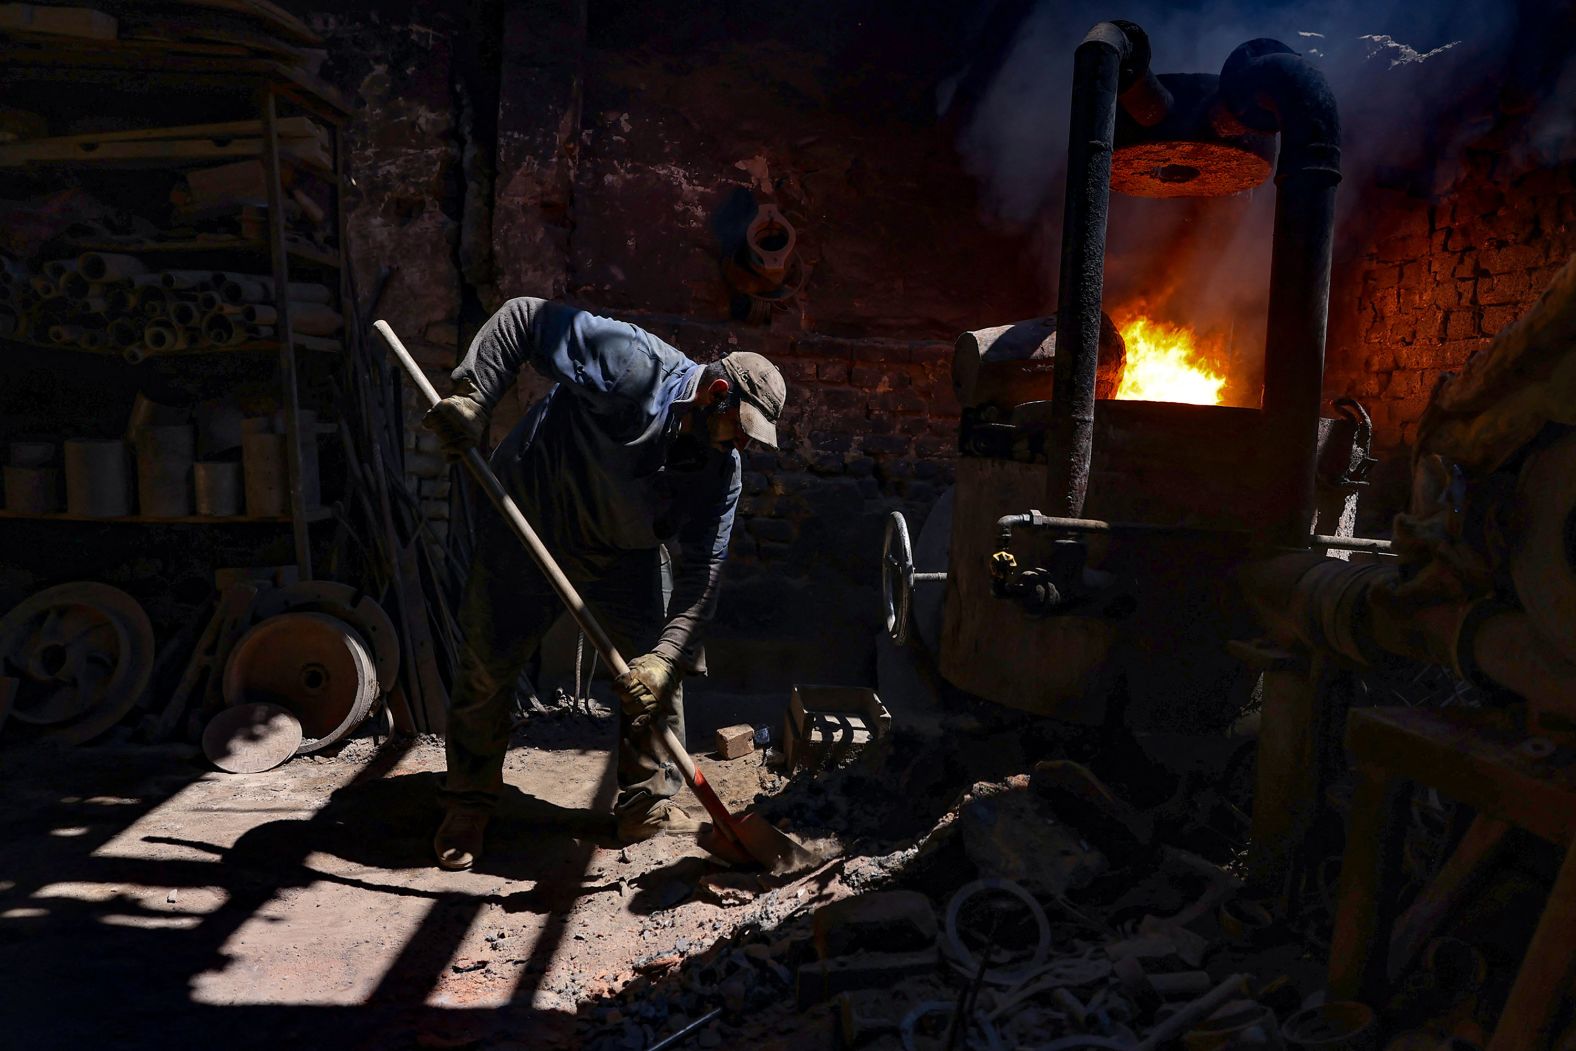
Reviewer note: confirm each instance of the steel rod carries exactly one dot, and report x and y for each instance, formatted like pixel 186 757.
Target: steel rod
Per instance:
pixel 1350 543
pixel 1033 520
pixel 688 1031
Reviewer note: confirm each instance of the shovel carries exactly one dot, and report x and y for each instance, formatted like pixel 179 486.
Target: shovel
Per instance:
pixel 740 840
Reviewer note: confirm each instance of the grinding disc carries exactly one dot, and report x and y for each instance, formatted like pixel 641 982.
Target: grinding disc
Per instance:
pixel 311 664
pixel 345 603
pixel 82 653
pixel 251 738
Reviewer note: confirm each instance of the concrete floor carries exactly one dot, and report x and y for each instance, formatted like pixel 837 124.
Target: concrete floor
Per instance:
pixel 149 901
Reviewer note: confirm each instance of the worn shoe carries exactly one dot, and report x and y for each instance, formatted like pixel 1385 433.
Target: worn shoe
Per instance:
pixel 664 818
pixel 458 843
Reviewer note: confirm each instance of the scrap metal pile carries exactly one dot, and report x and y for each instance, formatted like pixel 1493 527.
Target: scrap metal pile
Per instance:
pixel 1007 925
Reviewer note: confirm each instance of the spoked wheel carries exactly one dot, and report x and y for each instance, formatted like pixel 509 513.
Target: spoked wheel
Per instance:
pixel 897 578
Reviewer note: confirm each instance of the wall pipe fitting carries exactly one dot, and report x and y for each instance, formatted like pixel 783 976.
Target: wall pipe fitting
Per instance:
pixel 1103 65
pixel 1142 96
pixel 1268 87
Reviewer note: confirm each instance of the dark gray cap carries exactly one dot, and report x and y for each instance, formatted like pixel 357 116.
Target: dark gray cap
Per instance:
pixel 762 393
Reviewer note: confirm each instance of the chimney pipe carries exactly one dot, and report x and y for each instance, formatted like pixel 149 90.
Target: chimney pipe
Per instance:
pixel 1111 59
pixel 1268 87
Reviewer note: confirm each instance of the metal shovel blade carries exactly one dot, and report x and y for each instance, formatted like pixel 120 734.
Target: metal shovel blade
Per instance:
pixel 760 843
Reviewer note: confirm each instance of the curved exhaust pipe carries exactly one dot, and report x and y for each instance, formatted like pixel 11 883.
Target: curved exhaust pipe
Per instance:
pixel 1268 87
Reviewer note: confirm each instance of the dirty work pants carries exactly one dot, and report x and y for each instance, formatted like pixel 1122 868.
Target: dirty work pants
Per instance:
pixel 507 608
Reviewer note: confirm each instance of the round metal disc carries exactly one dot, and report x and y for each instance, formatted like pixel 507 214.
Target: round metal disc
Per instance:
pixel 348 604
pixel 1186 169
pixel 251 738
pixel 311 664
pixel 83 654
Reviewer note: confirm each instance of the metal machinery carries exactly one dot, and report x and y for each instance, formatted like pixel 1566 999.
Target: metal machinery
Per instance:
pixel 1122 591
pixel 1179 554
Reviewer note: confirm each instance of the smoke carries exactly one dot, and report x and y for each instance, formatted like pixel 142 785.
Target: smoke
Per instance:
pixel 1409 78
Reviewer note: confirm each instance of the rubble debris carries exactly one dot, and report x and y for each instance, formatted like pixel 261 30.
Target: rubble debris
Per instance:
pixel 1083 799
pixel 886 921
pixel 821 980
pixel 735 742
pixel 998 918
pixel 1010 832
pixel 730 888
pixel 1244 922
pixel 977 1030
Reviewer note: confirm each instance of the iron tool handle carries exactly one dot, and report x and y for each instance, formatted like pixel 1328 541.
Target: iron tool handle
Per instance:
pixel 696 780
pixel 511 512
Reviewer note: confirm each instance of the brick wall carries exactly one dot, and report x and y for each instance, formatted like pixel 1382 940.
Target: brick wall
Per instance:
pixel 1439 279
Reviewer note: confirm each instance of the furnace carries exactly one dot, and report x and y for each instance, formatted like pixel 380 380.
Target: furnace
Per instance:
pixel 1121 594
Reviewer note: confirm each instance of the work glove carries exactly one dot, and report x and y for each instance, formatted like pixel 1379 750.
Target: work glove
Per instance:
pixel 648 686
pixel 459 421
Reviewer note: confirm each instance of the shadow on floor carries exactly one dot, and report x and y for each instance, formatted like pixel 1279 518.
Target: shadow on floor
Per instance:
pixel 92 966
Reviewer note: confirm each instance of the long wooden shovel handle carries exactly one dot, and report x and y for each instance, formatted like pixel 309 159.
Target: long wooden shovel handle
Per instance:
pixel 697 781
pixel 566 591
pixel 511 512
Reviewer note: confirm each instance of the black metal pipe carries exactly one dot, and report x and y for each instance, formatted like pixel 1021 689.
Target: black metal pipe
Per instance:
pixel 1142 96
pixel 1101 65
pixel 1269 87
pixel 1035 520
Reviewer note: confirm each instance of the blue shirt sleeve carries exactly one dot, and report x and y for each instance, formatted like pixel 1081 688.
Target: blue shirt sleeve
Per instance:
pixel 606 363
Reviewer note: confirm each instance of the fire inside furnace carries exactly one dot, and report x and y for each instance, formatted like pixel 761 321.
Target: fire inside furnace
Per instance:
pixel 1168 363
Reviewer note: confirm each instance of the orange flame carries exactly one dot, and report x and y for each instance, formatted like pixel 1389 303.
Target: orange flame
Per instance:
pixel 1166 363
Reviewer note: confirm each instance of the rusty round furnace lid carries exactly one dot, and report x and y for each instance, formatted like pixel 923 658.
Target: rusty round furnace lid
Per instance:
pixel 1186 169
pixel 1197 150
pixel 251 738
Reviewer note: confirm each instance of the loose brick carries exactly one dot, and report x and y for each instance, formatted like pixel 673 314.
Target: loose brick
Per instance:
pixel 734 742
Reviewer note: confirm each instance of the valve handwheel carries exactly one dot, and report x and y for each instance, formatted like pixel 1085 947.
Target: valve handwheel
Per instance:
pixel 897 578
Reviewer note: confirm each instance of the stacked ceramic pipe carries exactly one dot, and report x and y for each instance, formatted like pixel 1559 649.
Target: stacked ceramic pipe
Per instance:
pixel 108 302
